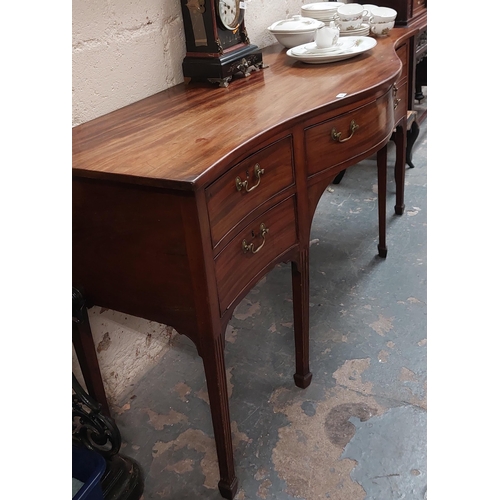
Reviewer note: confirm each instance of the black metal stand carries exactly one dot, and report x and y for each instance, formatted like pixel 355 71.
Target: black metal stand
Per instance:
pixel 122 479
pixel 97 431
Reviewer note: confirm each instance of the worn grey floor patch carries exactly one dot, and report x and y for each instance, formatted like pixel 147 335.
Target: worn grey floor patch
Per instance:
pixel 401 470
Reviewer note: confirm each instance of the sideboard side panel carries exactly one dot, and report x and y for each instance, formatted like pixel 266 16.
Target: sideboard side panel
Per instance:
pixel 129 251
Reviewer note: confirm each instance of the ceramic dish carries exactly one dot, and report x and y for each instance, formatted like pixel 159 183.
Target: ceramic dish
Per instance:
pixel 382 14
pixel 322 11
pixel 320 7
pixel 361 44
pixel 294 31
pixel 295 24
pixel 363 30
pixel 312 49
pixel 381 29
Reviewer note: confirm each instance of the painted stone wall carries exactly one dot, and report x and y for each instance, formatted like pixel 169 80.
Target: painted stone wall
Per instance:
pixel 124 51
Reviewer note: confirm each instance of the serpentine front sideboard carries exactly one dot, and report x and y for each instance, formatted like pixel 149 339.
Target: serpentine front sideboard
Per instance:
pixel 184 200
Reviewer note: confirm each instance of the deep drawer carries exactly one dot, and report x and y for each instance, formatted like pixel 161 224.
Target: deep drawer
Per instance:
pixel 265 237
pixel 346 136
pixel 230 200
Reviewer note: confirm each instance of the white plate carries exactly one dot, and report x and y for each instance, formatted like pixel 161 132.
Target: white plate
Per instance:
pixel 319 6
pixel 357 33
pixel 361 44
pixel 313 50
pixel 323 18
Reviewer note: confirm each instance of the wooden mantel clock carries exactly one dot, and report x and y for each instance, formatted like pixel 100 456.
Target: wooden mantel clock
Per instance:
pixel 217 43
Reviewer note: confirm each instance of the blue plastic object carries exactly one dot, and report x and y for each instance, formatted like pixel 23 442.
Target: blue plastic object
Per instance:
pixel 88 468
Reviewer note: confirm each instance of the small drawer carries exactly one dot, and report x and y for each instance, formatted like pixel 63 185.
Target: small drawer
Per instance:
pixel 247 185
pixel 349 135
pixel 400 98
pixel 253 248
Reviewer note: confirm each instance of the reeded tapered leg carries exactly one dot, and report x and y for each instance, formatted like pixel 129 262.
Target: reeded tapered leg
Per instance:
pixel 212 352
pixel 300 286
pixel 400 167
pixel 382 199
pixel 87 359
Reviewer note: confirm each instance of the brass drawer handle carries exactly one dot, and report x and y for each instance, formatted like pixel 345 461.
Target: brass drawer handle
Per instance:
pixel 249 247
pixel 244 184
pixel 396 102
pixel 394 90
pixel 336 135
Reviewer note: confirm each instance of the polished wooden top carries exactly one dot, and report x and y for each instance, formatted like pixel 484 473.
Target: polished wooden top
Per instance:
pixel 186 134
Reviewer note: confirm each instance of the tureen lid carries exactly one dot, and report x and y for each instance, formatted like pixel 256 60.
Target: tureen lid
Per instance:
pixel 296 24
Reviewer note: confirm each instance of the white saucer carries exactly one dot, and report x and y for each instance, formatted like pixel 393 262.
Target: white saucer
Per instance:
pixel 312 49
pixel 360 44
pixel 363 30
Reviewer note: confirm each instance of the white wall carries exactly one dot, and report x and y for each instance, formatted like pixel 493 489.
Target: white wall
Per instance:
pixel 124 51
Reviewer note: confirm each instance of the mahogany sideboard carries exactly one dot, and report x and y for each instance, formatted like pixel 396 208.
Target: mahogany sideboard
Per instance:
pixel 184 200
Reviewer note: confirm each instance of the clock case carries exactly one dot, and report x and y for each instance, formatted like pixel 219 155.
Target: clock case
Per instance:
pixel 224 54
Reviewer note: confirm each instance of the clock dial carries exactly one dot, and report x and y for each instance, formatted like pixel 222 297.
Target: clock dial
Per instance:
pixel 229 13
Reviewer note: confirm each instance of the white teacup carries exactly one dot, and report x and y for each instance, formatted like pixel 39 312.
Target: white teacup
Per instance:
pixel 368 7
pixel 350 11
pixel 382 14
pixel 350 25
pixel 327 36
pixel 335 5
pixel 381 29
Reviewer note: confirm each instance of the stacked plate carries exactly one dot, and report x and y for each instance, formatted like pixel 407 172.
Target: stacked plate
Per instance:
pixel 327 11
pixel 363 30
pixel 322 11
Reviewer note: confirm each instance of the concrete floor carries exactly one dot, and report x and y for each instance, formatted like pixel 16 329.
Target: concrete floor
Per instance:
pixel 359 430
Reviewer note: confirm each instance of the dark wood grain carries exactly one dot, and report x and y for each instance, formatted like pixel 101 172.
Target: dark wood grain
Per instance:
pixel 408 10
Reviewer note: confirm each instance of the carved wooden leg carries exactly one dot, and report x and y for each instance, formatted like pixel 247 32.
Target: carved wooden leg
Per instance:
pixel 420 78
pixel 411 137
pixel 300 286
pixel 215 372
pixel 400 166
pixel 382 198
pixel 87 358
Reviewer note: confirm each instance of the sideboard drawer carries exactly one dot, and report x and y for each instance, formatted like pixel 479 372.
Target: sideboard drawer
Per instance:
pixel 254 247
pixel 400 98
pixel 334 141
pixel 242 189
